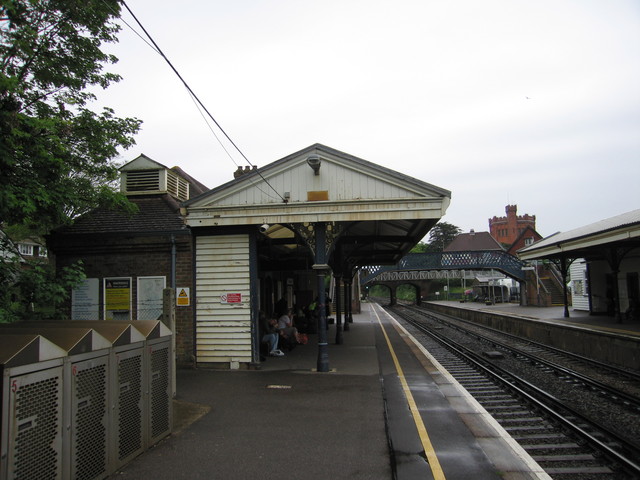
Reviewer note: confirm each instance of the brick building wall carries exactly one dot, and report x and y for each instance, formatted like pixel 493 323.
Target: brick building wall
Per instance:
pixel 507 229
pixel 107 256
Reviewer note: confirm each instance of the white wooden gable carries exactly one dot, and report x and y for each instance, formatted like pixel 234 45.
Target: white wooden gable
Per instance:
pixel 142 162
pixel 346 188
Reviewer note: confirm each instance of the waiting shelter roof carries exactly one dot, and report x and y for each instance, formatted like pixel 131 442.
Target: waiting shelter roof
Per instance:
pixel 375 214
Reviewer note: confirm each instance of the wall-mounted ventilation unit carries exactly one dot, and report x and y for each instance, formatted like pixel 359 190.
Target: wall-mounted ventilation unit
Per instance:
pixel 155 181
pixel 142 181
pixel 177 186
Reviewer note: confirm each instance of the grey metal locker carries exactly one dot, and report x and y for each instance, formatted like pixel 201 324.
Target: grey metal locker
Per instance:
pixel 160 391
pixel 32 408
pixel 89 417
pixel 128 405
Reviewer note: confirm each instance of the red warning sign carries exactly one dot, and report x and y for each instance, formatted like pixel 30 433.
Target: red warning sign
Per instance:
pixel 231 298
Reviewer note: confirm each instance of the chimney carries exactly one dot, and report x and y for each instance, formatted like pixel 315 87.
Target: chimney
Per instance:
pixel 472 232
pixel 241 171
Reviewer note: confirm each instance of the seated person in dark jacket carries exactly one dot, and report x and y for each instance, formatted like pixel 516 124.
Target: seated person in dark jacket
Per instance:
pixel 269 334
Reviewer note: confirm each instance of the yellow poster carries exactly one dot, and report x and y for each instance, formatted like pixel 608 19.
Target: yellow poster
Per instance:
pixel 117 293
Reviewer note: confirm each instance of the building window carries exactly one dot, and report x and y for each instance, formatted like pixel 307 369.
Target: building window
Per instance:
pixel 528 241
pixel 25 249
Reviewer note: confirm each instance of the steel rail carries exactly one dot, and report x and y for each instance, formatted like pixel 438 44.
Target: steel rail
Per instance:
pixel 546 402
pixel 628 399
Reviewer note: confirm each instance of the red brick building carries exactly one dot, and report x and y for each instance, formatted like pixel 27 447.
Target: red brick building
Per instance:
pixel 506 230
pixel 129 258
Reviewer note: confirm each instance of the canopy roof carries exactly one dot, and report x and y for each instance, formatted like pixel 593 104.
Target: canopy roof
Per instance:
pixel 588 241
pixel 374 215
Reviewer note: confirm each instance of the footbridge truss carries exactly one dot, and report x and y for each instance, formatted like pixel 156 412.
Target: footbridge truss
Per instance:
pixel 424 266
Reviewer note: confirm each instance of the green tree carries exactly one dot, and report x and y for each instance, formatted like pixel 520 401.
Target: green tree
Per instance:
pixel 57 156
pixel 420 247
pixel 441 235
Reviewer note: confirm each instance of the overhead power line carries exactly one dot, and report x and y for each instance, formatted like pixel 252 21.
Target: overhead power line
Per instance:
pixel 157 49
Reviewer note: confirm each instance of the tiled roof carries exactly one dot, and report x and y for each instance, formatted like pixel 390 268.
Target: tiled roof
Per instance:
pixel 196 187
pixel 466 242
pixel 156 213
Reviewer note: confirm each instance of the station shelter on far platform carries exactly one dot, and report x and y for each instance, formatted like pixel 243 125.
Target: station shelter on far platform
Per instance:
pixel 277 234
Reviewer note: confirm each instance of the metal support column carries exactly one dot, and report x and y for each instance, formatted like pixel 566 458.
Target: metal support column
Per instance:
pixel 321 269
pixel 564 270
pixel 338 304
pixel 349 310
pixel 346 304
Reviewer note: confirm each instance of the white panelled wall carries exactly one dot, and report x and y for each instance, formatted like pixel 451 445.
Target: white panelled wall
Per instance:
pixel 223 328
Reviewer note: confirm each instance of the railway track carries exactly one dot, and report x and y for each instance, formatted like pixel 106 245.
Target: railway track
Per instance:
pixel 616 384
pixel 529 398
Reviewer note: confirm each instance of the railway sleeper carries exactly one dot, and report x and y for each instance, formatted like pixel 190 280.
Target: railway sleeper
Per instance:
pixel 526 428
pixel 600 470
pixel 520 420
pixel 552 448
pixel 537 437
pixel 578 457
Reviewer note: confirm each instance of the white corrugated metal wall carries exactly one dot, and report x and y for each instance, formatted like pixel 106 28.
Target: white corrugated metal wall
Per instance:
pixel 223 330
pixel 578 275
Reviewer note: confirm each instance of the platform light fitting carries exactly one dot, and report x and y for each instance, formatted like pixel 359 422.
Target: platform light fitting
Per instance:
pixel 314 163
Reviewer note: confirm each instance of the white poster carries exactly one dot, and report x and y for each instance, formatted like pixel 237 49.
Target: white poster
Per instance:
pixel 150 297
pixel 85 300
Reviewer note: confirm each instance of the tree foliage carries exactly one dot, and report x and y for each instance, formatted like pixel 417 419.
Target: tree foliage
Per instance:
pixel 57 155
pixel 440 236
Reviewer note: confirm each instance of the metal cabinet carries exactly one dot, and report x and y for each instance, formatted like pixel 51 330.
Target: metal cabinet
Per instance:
pixel 82 399
pixel 32 407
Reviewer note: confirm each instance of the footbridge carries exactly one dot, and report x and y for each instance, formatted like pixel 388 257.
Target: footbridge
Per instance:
pixel 421 267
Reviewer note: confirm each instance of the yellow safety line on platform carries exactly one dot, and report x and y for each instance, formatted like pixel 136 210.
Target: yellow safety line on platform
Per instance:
pixel 432 459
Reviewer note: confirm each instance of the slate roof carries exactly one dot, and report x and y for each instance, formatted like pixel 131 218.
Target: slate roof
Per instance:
pixel 467 242
pixel 156 214
pixel 195 188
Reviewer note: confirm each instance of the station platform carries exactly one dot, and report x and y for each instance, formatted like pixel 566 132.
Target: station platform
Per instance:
pixel 554 314
pixel 385 410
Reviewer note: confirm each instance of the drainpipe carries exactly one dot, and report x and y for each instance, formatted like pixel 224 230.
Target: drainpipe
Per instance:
pixel 173 261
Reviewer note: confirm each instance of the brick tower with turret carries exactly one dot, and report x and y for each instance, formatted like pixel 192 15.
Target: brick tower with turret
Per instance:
pixel 507 229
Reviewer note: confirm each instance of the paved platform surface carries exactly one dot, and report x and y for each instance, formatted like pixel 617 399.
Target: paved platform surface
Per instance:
pixel 354 422
pixel 554 314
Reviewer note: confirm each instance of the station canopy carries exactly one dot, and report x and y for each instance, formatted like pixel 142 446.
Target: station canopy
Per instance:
pixel 373 215
pixel 591 241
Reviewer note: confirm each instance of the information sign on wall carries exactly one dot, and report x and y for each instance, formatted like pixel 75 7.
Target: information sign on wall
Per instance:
pixel 85 300
pixel 233 298
pixel 183 298
pixel 117 298
pixel 150 297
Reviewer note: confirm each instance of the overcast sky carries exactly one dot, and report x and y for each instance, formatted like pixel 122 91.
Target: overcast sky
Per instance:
pixel 534 103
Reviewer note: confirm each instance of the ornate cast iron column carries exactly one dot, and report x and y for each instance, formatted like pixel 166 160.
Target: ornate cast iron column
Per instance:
pixel 338 305
pixel 349 310
pixel 321 268
pixel 345 286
